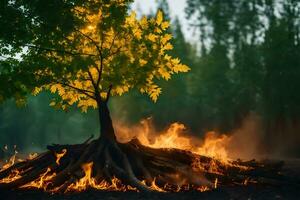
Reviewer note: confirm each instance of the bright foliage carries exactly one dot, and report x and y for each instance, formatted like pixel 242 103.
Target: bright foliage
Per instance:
pixel 123 53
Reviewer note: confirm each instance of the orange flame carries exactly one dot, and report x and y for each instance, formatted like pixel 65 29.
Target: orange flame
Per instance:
pixel 60 155
pixel 10 162
pixel 213 145
pixel 14 175
pixel 42 182
pixel 216 183
pixel 89 182
pixel 156 187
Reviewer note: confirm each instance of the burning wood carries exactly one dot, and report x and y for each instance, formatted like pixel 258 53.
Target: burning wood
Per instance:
pixel 60 155
pixel 158 166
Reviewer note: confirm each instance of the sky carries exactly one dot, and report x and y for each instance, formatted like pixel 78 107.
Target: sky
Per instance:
pixel 176 8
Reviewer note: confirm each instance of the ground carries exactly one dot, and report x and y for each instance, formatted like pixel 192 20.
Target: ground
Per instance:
pixel 230 193
pixel 289 191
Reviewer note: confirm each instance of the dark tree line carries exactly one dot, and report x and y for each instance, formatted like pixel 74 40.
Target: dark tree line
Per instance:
pixel 249 63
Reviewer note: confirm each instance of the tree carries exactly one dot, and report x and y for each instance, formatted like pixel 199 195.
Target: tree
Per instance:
pixel 103 52
pixel 104 47
pixel 281 75
pixel 212 19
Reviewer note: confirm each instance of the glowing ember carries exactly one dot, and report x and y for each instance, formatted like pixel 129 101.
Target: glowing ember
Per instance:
pixel 60 155
pixel 245 181
pixel 10 162
pixel 203 188
pixel 216 183
pixel 11 177
pixel 32 156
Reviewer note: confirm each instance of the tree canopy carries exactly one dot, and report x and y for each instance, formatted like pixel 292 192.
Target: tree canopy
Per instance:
pixel 105 50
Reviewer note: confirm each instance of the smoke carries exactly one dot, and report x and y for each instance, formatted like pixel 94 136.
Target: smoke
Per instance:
pixel 252 140
pixel 246 142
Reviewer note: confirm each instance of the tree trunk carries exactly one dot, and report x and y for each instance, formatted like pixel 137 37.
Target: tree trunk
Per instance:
pixel 106 126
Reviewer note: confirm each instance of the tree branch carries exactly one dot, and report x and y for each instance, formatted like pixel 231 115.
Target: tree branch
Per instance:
pixel 116 52
pixel 101 61
pixel 93 41
pixel 108 93
pixel 92 80
pixel 58 50
pixel 85 92
pixel 102 58
pixel 112 43
pixel 99 49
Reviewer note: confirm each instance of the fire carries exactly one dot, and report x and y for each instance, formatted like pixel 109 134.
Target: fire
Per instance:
pixel 86 181
pixel 42 182
pixel 203 188
pixel 89 182
pixel 12 177
pixel 156 187
pixel 216 183
pixel 60 155
pixel 14 158
pixel 10 162
pixel 213 145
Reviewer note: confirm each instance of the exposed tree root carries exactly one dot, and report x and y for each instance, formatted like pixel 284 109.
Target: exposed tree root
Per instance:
pixel 133 164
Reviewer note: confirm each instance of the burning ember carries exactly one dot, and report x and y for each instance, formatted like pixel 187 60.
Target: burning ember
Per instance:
pixel 202 164
pixel 60 155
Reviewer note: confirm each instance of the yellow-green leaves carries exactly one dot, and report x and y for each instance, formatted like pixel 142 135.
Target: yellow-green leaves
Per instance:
pixel 164 73
pixel 180 68
pixel 166 38
pixel 52 103
pixel 144 23
pixel 152 37
pixel 119 90
pixel 36 91
pixel 142 62
pixel 165 25
pixel 159 17
pixel 132 55
pixel 131 19
pixel 84 104
pixel 154 91
pixel 53 88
